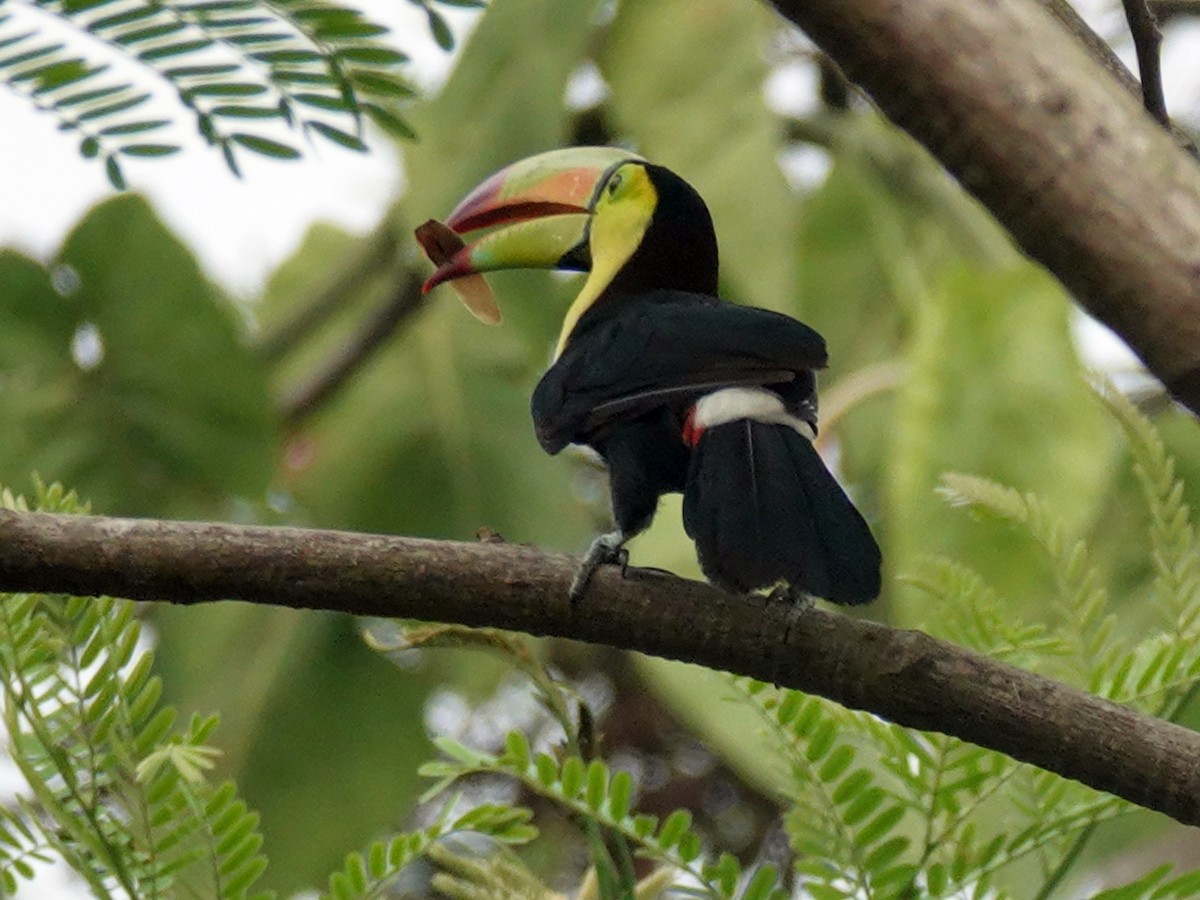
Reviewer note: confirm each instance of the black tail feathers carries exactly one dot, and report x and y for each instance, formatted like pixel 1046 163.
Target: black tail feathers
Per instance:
pixel 762 508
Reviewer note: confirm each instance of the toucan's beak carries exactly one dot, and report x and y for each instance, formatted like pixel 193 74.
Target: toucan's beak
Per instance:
pixel 539 210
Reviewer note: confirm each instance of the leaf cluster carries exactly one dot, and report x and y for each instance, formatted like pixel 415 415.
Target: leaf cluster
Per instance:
pixel 370 873
pixel 1157 672
pixel 251 74
pixel 116 787
pixel 603 797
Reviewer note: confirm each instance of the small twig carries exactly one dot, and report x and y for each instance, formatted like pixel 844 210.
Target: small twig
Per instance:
pixel 349 357
pixel 1170 9
pixel 376 253
pixel 868 382
pixel 1065 864
pixel 1147 40
pixel 836 91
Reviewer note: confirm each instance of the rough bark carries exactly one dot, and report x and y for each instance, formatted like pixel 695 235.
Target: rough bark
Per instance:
pixel 1013 104
pixel 904 676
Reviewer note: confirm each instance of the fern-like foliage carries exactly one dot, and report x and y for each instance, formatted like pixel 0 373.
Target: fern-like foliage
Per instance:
pixel 251 74
pixel 597 794
pixel 1159 673
pixel 371 873
pixel 880 810
pixel 115 788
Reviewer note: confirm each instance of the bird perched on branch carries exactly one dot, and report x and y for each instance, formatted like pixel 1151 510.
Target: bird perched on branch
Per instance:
pixel 676 389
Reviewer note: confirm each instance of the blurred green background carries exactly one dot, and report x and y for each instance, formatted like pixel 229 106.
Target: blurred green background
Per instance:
pixel 128 375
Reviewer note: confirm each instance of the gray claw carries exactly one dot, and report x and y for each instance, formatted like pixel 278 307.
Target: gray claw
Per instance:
pixel 607 548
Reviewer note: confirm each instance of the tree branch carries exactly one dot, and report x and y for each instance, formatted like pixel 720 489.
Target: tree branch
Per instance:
pixel 1065 158
pixel 1170 9
pixel 904 676
pixel 350 356
pixel 375 253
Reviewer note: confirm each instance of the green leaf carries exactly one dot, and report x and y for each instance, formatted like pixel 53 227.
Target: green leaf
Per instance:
pixel 441 31
pixel 265 146
pixel 113 169
pixel 374 55
pixel 89 96
pixel 152 32
pixel 287 56
pixel 836 763
pixel 247 112
pixel 293 76
pixel 110 109
pixel 620 795
pixel 252 40
pixel 460 752
pixel 226 89
pixel 323 101
pixel 201 71
pixel 863 805
pixel 597 785
pixel 238 22
pixel 886 853
pixel 349 141
pixel 517 748
pixel 880 826
pixel 342 29
pixel 133 127
pixel 851 786
pixel 674 828
pixel 381 84
pixel 149 149
pixel 574 776
pixel 59 75
pixel 1187 885
pixel 546 769
pixel 127 17
pixel 169 50
pixel 644 825
pixel 17 59
pixel 761 884
pixel 388 121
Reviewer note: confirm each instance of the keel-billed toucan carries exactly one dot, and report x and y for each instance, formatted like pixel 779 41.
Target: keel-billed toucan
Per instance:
pixel 677 390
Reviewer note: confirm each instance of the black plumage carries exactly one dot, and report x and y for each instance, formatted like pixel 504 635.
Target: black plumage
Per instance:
pixel 759 503
pixel 762 508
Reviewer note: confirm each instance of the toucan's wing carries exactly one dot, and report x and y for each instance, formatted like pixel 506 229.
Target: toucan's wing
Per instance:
pixel 639 401
pixel 661 349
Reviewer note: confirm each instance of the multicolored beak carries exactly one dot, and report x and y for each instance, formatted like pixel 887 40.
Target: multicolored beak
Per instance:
pixel 539 211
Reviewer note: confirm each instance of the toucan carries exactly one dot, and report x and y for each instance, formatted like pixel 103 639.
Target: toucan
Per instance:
pixel 677 390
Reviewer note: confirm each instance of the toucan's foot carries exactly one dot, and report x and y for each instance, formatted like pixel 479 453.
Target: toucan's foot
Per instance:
pixel 606 549
pixel 793 597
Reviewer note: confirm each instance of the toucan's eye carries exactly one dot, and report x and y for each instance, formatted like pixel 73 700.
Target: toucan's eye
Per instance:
pixel 614 184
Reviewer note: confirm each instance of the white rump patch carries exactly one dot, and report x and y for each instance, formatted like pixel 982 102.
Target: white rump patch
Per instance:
pixel 731 404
